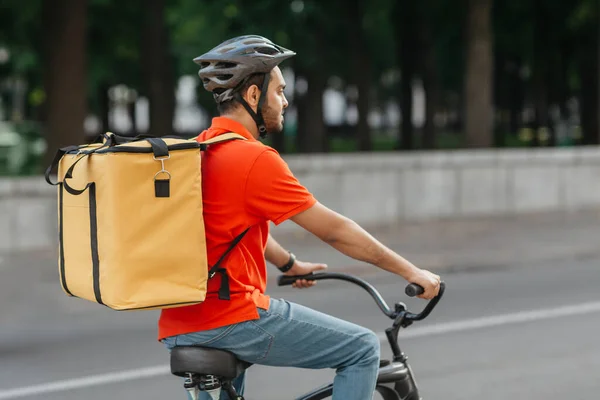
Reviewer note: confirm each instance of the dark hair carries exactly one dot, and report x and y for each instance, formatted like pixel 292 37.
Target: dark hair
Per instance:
pixel 230 105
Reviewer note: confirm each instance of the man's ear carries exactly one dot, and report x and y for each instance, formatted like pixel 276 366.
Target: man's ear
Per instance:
pixel 252 96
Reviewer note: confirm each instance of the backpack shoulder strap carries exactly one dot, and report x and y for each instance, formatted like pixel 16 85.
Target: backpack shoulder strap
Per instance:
pixel 217 269
pixel 224 138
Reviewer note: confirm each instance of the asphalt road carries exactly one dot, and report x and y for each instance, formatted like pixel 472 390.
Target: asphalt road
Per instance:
pixel 514 332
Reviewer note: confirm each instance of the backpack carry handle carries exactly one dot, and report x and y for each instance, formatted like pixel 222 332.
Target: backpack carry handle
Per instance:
pixel 160 151
pixel 116 140
pixel 54 164
pixel 159 146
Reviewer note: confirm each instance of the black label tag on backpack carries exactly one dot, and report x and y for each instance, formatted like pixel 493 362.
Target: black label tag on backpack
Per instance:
pixel 162 187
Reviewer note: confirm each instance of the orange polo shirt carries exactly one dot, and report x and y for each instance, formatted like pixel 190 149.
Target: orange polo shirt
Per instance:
pixel 244 184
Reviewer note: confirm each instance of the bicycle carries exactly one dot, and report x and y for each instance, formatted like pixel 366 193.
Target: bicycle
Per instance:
pixel 210 370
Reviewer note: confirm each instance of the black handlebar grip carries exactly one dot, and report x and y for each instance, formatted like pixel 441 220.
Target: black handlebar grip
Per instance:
pixel 284 280
pixel 413 290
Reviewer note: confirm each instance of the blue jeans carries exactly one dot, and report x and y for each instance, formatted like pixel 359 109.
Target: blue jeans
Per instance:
pixel 291 335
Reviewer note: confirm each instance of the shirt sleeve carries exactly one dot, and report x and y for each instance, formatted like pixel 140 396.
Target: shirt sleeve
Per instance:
pixel 272 192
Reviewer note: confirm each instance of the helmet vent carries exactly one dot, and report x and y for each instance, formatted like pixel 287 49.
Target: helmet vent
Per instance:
pixel 223 64
pixel 267 50
pixel 253 41
pixel 226 49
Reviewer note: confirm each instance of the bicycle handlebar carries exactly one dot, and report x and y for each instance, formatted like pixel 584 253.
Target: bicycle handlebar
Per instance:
pixel 411 290
pixel 288 280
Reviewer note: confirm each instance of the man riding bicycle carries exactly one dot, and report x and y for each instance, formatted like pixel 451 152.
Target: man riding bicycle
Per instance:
pixel 247 185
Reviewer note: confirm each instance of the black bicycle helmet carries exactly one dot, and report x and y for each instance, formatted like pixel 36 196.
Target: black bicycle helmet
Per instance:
pixel 225 68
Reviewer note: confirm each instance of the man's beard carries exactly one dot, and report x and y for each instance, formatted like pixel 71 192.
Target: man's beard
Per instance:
pixel 272 120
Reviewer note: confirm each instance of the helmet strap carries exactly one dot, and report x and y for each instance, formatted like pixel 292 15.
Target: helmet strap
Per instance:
pixel 257 116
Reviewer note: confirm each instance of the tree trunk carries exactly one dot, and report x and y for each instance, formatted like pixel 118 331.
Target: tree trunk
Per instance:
pixel 541 63
pixel 404 22
pixel 502 75
pixel 301 101
pixel 588 46
pixel 598 79
pixel 540 94
pixel 65 72
pixel 311 135
pixel 478 81
pixel 157 69
pixel 132 117
pixel 364 85
pixel 589 96
pixel 429 74
pixel 317 137
pixel 558 79
pixel 406 104
pixel 361 71
pixel 104 109
pixel 516 97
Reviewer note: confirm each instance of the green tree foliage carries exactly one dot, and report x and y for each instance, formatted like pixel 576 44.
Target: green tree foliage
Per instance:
pixel 541 54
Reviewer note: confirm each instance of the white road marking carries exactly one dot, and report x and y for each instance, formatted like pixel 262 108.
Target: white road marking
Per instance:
pixel 438 329
pixel 88 381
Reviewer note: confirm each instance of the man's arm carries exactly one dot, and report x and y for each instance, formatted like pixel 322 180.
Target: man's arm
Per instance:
pixel 278 256
pixel 348 237
pixel 275 254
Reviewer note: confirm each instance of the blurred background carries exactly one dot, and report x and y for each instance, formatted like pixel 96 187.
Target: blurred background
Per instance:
pixel 462 133
pixel 369 75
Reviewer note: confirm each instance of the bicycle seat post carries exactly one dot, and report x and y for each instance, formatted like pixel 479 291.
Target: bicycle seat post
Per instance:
pixel 211 385
pixel 191 386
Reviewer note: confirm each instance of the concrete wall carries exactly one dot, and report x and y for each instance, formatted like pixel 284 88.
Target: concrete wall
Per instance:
pixel 377 188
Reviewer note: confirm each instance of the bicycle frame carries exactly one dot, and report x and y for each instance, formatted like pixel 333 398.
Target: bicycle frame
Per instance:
pixel 395 380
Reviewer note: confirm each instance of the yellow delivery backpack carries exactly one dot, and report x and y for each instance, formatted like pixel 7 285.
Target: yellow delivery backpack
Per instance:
pixel 131 229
